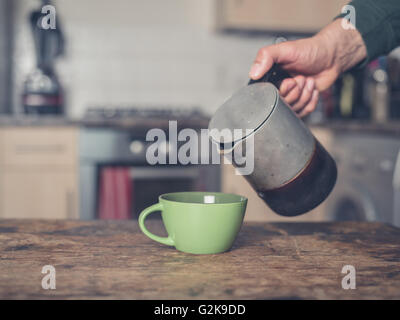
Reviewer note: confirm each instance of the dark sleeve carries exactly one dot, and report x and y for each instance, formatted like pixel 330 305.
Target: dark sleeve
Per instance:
pixel 378 21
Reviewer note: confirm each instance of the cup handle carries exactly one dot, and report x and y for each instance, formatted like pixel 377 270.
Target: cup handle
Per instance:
pixel 155 207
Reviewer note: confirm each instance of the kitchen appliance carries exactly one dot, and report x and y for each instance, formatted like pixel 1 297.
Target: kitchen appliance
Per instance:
pixel 116 138
pixel 145 112
pixel 43 93
pixel 368 185
pixel 293 173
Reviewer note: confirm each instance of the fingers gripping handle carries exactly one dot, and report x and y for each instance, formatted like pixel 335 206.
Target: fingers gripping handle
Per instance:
pixel 155 207
pixel 275 75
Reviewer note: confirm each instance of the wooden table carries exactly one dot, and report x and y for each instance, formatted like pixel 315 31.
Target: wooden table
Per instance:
pixel 108 260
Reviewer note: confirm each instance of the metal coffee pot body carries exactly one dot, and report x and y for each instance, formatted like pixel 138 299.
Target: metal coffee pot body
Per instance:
pixel 292 172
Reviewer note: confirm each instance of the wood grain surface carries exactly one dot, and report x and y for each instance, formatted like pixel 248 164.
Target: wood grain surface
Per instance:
pixel 114 260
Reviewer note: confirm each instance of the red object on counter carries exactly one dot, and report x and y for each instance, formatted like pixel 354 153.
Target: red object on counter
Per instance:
pixel 115 197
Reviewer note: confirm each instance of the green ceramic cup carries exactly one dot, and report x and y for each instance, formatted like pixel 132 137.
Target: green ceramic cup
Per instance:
pixel 198 222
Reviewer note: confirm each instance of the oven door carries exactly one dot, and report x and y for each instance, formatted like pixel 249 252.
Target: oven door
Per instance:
pixel 116 182
pixel 149 183
pixel 125 191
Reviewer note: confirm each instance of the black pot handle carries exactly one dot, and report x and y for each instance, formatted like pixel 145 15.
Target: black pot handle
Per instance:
pixel 275 75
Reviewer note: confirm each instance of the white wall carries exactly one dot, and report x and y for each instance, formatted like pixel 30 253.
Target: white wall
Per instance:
pixel 153 52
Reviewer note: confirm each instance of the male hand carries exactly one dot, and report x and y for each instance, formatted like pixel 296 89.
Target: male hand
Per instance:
pixel 315 63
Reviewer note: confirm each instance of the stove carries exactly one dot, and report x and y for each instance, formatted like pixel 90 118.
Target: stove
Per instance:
pixel 143 118
pixel 113 141
pixel 144 112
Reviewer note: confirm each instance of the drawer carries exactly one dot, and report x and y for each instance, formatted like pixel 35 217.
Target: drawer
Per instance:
pixel 38 146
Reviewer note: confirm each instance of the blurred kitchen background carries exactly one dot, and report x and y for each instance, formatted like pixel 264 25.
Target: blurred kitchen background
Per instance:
pixel 76 103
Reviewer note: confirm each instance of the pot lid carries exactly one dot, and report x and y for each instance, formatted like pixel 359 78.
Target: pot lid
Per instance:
pixel 248 108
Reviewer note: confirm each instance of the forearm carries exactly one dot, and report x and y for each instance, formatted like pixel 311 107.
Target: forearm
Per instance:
pixel 346 47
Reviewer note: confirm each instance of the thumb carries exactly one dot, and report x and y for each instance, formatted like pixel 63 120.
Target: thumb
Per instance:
pixel 265 58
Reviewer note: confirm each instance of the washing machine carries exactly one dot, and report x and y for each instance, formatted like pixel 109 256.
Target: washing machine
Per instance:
pixel 368 184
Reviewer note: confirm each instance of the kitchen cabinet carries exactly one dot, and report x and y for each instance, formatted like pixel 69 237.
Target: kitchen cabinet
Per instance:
pixel 39 194
pixel 271 15
pixel 39 147
pixel 38 172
